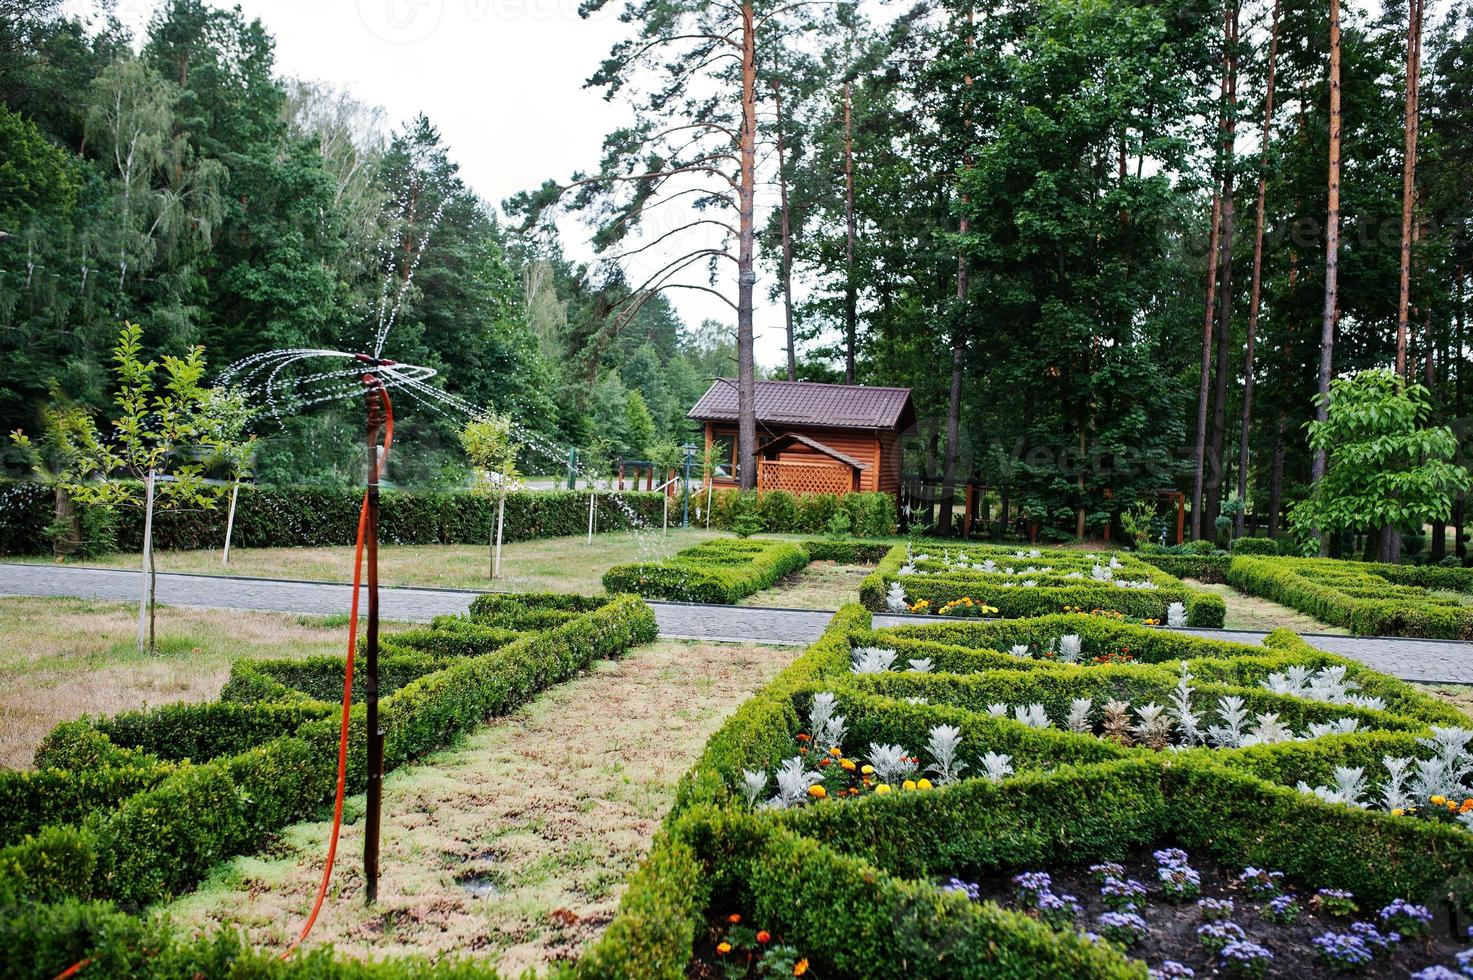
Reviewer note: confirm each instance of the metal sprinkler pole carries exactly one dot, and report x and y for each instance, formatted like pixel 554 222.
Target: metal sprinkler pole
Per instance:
pixel 370 681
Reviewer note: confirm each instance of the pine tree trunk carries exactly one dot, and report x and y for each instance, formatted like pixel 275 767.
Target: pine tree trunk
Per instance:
pixel 1408 181
pixel 1256 291
pixel 958 344
pixel 851 299
pixel 1332 250
pixel 787 243
pixel 1204 388
pixel 1225 274
pixel 1276 476
pixel 746 268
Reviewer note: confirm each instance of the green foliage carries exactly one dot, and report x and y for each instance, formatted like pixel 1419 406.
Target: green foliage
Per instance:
pixel 264 764
pixel 870 515
pixel 1255 546
pixel 285 517
pixel 1368 599
pixel 1073 798
pixel 1388 467
pixel 720 571
pixel 1053 592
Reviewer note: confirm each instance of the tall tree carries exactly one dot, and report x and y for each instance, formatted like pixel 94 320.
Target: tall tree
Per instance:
pixel 1332 250
pixel 1408 178
pixel 1255 296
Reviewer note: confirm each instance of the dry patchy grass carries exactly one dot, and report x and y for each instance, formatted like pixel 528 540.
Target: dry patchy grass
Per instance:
pixel 513 844
pixel 63 658
pixel 1246 612
pixel 1460 696
pixel 819 585
pixel 566 564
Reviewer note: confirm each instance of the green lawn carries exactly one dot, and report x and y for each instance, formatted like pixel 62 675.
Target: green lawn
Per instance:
pixel 63 658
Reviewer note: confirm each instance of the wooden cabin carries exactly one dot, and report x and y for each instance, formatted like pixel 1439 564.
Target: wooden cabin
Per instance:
pixel 811 437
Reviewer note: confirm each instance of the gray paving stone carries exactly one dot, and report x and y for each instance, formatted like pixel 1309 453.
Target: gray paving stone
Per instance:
pixel 1432 661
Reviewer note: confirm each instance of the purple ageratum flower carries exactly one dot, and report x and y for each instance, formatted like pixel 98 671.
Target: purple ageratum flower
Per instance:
pixel 1031 884
pixel 1171 970
pixel 1336 901
pixel 1125 928
pixel 1261 883
pixel 1058 910
pixel 1436 972
pixel 1342 950
pixel 1406 918
pixel 1465 960
pixel 1109 869
pixel 1218 935
pixel 1170 857
pixel 1375 940
pixel 967 888
pixel 1123 894
pixel 1245 959
pixel 1179 881
pixel 1213 909
pixel 1282 909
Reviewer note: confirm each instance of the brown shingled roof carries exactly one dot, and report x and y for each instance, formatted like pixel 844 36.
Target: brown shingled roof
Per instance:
pixel 811 403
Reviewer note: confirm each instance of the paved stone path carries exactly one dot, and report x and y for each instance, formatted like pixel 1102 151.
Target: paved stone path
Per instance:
pixel 1431 661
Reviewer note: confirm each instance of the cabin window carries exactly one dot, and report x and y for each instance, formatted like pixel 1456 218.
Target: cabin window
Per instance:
pixel 723 457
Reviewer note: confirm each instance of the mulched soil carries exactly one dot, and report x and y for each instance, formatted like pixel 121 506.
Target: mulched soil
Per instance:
pixel 1173 927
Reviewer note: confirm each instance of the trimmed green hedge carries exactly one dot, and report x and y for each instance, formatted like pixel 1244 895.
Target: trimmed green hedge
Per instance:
pixel 146 846
pixel 1073 798
pixel 1366 598
pixel 939 582
pixel 289 517
pixel 871 515
pixel 726 570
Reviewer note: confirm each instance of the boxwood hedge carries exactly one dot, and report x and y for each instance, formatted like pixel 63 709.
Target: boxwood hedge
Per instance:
pixel 1059 579
pixel 137 807
pixel 726 570
pixel 1073 798
pixel 1368 599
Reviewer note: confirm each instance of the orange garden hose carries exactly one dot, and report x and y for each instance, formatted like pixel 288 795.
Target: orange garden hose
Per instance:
pixel 377 465
pixel 337 808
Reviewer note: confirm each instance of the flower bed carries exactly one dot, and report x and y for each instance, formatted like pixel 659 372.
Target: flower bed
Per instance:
pixel 137 807
pixel 1020 583
pixel 783 830
pixel 726 570
pixel 1366 598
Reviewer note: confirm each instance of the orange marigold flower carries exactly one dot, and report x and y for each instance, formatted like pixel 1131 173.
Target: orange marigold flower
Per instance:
pixel 723 948
pixel 817 791
pixel 763 936
pixel 734 918
pixel 800 967
pixel 835 751
pixel 804 737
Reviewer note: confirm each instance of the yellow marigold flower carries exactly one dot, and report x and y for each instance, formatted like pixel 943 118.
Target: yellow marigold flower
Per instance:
pixel 882 788
pixel 847 765
pixel 923 784
pixel 800 968
pixel 868 770
pixel 908 784
pixel 817 791
pixel 723 948
pixel 1398 812
pixel 835 751
pixel 1438 799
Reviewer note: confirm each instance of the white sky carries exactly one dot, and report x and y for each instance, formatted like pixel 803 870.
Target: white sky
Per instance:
pixel 502 79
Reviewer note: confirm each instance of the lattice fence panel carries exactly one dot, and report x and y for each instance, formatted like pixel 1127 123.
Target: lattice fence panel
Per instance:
pixel 803 477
